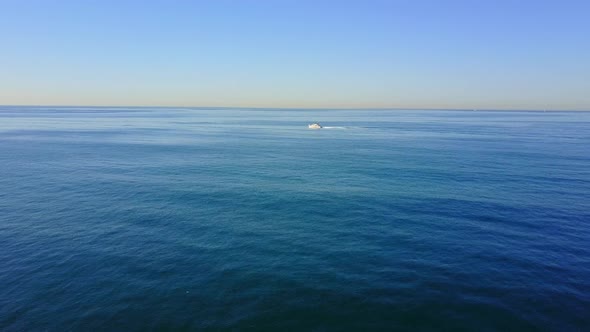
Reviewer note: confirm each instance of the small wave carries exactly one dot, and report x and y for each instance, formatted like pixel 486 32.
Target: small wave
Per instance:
pixel 334 127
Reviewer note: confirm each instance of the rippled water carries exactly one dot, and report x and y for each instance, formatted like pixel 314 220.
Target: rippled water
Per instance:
pixel 154 218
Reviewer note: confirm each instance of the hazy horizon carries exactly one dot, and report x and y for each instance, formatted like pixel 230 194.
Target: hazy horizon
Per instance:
pixel 503 55
pixel 299 108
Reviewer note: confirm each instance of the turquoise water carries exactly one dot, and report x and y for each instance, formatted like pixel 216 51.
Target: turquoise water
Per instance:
pixel 136 219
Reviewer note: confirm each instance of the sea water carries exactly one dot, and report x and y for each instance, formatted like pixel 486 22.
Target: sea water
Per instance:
pixel 135 219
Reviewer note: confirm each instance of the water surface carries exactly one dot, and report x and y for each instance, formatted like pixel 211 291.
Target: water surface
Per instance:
pixel 158 218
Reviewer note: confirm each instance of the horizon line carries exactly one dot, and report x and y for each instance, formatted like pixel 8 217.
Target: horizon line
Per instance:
pixel 307 108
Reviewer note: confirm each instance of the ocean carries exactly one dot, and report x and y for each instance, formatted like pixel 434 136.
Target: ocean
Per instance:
pixel 139 219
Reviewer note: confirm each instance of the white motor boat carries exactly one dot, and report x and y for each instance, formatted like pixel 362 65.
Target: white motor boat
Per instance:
pixel 315 126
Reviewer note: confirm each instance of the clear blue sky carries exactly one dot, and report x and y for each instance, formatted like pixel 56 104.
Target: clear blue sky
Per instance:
pixel 257 53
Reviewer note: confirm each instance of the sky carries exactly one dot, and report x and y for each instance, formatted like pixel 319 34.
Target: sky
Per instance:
pixel 500 54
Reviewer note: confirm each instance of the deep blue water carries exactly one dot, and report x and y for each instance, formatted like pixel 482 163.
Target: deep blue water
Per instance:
pixel 136 219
